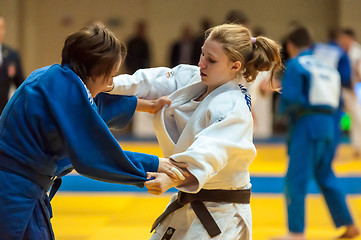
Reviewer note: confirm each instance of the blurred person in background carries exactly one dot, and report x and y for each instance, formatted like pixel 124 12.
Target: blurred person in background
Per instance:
pixel 347 41
pixel 138 48
pixel 310 96
pixel 138 57
pixel 237 17
pixel 10 67
pixel 280 121
pixel 199 40
pixel 261 93
pixel 182 49
pixel 334 56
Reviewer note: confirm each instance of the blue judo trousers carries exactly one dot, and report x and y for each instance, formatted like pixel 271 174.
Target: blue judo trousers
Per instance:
pixel 50 126
pixel 310 97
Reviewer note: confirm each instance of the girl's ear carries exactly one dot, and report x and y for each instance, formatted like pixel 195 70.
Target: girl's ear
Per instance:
pixel 236 66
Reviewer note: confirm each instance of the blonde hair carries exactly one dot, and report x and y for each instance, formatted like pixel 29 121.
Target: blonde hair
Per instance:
pixel 255 54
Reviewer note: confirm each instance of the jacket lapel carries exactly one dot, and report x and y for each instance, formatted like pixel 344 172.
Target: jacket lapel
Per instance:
pixel 183 95
pixel 190 130
pixel 178 98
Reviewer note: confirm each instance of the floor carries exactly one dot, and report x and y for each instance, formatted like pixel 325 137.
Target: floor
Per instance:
pixel 128 215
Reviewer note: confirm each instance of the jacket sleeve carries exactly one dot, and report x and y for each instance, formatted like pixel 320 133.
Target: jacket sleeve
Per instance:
pixel 229 134
pixel 344 68
pixel 116 110
pixel 153 83
pixel 91 147
pixel 293 87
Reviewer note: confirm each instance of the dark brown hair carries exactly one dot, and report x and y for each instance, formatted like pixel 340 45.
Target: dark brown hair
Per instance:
pixel 300 37
pixel 93 51
pixel 349 32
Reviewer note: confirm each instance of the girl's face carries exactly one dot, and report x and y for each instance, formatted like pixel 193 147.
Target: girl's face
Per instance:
pixel 101 83
pixel 344 41
pixel 215 66
pixel 291 49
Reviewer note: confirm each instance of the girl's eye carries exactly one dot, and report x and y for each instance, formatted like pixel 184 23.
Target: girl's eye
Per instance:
pixel 211 60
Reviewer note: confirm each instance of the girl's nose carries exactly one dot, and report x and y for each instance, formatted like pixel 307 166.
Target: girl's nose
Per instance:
pixel 201 63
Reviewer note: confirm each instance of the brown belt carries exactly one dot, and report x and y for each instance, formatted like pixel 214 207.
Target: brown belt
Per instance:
pixel 196 200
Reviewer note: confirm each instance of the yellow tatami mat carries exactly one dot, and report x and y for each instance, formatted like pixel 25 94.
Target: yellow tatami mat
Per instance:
pixel 93 216
pixel 128 216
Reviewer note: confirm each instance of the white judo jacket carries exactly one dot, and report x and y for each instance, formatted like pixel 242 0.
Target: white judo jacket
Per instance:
pixel 217 140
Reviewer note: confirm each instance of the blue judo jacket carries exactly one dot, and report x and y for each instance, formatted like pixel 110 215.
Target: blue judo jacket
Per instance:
pixel 310 89
pixel 52 124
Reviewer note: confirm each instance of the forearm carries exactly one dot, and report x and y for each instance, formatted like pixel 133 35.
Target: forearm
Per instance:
pixel 144 105
pixel 152 106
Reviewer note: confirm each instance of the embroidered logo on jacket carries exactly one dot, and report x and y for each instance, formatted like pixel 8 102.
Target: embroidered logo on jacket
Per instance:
pixel 247 97
pixel 169 74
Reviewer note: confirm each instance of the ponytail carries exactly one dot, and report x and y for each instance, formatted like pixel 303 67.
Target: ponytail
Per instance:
pixel 265 56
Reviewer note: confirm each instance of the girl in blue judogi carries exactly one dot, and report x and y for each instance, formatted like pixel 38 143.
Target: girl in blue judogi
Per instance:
pixel 52 124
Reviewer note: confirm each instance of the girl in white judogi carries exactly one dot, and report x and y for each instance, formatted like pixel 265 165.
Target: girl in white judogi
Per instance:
pixel 208 126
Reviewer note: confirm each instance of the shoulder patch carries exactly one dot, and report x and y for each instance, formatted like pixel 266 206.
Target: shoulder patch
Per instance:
pixel 247 97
